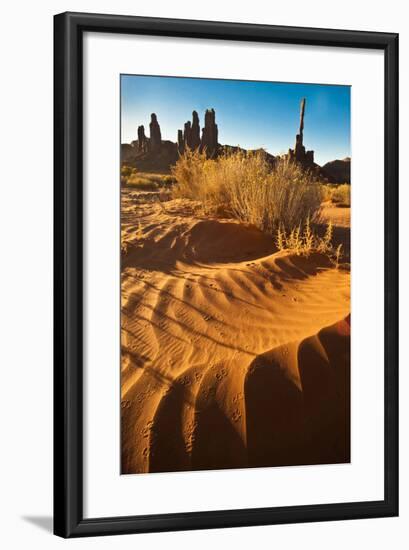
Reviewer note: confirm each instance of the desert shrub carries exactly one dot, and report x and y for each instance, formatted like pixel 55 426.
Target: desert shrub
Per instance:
pixel 189 175
pixel 244 185
pixel 168 180
pixel 338 194
pixel 327 190
pixel 141 182
pixel 127 170
pixel 145 181
pixel 341 195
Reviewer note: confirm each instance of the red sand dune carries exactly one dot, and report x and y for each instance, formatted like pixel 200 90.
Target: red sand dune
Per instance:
pixel 233 355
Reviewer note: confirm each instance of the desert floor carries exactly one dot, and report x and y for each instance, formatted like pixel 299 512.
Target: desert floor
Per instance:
pixel 233 354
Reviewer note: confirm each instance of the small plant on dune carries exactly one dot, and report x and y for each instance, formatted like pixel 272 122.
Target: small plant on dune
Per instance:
pixel 308 238
pixel 304 243
pixel 292 241
pixel 338 255
pixel 325 243
pixel 295 241
pixel 281 238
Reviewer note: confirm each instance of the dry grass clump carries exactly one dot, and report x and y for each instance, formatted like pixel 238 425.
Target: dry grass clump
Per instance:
pixel 127 170
pixel 338 194
pixel 189 172
pixel 342 195
pixel 144 181
pixel 326 191
pixel 245 186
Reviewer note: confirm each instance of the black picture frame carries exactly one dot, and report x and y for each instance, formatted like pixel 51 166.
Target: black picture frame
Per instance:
pixel 68 274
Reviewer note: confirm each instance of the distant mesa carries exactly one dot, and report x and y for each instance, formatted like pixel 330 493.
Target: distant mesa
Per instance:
pixel 338 171
pixel 156 155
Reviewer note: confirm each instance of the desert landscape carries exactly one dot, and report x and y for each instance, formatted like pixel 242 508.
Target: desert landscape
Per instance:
pixel 235 304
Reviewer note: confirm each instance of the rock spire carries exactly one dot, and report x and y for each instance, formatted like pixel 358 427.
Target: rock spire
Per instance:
pixel 155 134
pixel 209 141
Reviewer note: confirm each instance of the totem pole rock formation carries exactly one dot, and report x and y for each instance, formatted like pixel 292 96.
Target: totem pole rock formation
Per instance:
pixel 195 131
pixel 191 134
pixel 209 134
pixel 142 139
pixel 180 142
pixel 187 131
pixel 299 148
pixel 299 154
pixel 153 153
pixel 155 135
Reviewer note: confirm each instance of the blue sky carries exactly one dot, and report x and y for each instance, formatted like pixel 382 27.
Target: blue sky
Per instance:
pixel 249 114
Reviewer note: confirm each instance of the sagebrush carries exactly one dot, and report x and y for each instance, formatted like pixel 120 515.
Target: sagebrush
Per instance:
pixel 338 194
pixel 246 186
pixel 144 181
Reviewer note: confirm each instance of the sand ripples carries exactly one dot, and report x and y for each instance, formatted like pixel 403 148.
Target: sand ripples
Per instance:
pixel 232 355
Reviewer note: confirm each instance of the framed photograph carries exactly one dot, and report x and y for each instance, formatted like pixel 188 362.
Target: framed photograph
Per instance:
pixel 226 274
